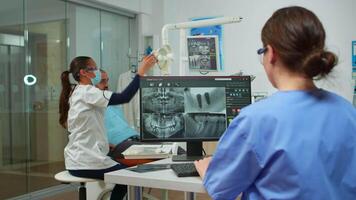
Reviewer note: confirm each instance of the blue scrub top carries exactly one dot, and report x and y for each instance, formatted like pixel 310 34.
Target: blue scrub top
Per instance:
pixel 117 128
pixel 293 145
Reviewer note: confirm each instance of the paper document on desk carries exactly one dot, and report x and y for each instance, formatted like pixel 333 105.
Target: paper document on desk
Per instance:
pixel 148 151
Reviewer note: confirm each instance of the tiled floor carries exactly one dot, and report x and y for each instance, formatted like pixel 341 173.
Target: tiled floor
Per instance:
pixel 172 195
pixel 64 196
pixel 15 181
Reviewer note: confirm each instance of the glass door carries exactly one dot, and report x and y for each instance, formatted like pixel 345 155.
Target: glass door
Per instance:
pixel 32 56
pixel 46 58
pixel 37 39
pixel 13 116
pixel 13 121
pixel 115 36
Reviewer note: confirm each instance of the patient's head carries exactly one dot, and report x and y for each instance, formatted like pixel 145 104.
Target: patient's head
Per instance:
pixel 104 83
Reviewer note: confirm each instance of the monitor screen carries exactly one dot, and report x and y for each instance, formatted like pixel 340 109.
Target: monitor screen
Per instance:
pixel 190 108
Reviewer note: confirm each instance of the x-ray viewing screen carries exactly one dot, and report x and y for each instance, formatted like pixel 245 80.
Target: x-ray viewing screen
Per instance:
pixel 180 108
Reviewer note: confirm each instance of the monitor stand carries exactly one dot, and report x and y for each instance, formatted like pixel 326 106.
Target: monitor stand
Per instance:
pixel 194 152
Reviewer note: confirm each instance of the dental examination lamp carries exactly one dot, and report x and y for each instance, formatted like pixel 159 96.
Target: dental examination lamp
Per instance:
pixel 164 54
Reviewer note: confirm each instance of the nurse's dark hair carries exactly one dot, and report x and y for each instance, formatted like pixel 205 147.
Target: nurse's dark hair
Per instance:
pixel 75 66
pixel 298 37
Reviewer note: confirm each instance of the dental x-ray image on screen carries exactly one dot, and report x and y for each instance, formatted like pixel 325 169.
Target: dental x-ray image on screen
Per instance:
pixel 158 125
pixel 190 108
pixel 204 125
pixel 177 112
pixel 205 113
pixel 163 109
pixel 204 99
pixel 163 99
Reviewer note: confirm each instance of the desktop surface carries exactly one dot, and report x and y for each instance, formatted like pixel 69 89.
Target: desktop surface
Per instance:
pixel 162 179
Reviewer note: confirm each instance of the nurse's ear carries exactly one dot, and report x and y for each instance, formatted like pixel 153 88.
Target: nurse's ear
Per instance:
pixel 271 55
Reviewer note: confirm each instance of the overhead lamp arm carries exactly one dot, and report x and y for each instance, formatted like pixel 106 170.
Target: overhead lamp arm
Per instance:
pixel 164 54
pixel 195 24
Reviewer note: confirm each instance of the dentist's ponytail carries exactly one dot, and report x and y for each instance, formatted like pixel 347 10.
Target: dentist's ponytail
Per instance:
pixel 64 98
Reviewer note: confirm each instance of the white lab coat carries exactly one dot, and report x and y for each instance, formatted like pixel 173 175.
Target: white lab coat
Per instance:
pixel 88 144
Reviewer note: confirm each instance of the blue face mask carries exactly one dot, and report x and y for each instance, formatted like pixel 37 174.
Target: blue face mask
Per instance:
pixel 96 80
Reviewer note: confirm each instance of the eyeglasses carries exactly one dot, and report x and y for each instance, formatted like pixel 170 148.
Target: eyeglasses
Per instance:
pixel 260 53
pixel 91 69
pixel 261 50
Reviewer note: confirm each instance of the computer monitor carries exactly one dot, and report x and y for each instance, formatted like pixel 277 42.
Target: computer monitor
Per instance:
pixel 190 109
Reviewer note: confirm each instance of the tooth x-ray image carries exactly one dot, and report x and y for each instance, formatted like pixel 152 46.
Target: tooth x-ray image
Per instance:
pixel 190 108
pixel 204 99
pixel 177 112
pixel 204 125
pixel 162 126
pixel 163 109
pixel 203 52
pixel 163 99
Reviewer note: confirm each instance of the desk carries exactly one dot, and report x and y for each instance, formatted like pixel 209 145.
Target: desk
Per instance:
pixel 162 179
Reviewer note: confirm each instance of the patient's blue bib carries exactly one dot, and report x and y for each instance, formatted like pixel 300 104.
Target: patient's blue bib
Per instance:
pixel 117 128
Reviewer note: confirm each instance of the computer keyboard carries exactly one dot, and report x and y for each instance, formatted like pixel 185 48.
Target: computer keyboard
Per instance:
pixel 184 169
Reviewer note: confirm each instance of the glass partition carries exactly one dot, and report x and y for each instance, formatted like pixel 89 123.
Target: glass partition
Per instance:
pixel 46 52
pixel 13 118
pixel 37 39
pixel 115 43
pixel 84 32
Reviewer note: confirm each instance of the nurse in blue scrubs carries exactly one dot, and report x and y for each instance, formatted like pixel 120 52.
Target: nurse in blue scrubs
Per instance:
pixel 300 143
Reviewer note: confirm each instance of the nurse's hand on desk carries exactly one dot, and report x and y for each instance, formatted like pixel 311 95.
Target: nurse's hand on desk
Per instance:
pixel 202 166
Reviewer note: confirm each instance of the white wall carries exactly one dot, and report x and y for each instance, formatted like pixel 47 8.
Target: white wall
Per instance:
pixel 135 6
pixel 41 11
pixel 243 39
